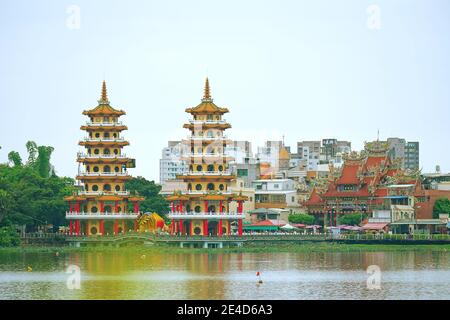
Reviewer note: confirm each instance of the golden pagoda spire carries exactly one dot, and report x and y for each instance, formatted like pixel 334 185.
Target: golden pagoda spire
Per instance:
pixel 104 97
pixel 207 91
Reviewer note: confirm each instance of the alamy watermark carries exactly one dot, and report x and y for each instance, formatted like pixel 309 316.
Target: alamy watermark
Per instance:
pixel 373 17
pixel 73 21
pixel 374 279
pixel 74 279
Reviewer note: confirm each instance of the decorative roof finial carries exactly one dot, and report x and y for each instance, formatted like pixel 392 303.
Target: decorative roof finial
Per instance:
pixel 207 93
pixel 104 97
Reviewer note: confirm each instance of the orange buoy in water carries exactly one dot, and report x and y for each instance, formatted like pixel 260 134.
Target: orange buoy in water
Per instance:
pixel 258 274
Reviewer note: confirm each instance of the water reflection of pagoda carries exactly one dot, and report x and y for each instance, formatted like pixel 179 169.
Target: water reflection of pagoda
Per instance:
pixel 204 208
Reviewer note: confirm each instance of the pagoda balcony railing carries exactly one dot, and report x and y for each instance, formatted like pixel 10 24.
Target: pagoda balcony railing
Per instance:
pixel 106 124
pixel 207 138
pixel 106 156
pixel 195 192
pixel 103 139
pixel 100 215
pixel 108 174
pixel 222 121
pixel 207 173
pixel 205 215
pixel 205 155
pixel 102 193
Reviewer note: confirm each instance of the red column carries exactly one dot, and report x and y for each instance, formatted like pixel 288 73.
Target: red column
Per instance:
pixel 135 207
pixel 77 227
pixel 70 206
pixel 116 227
pixel 173 207
pixel 70 227
pixel 116 206
pixel 239 207
pixel 77 206
pixel 205 227
pixel 181 206
pixel 102 227
pixel 181 226
pixel 206 206
pixel 240 227
pixel 102 207
pixel 228 227
pixel 219 227
pixel 221 206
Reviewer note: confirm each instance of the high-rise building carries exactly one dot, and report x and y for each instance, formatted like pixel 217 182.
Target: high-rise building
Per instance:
pixel 331 147
pixel 239 150
pixel 204 208
pixel 101 206
pixel 171 164
pixel 412 155
pixel 269 153
pixel 406 152
pixel 247 171
pixel 309 154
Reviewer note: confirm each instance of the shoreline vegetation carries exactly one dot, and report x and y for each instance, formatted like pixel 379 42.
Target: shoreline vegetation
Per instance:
pixel 285 248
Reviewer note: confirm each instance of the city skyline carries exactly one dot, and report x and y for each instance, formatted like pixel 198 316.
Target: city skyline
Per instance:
pixel 303 71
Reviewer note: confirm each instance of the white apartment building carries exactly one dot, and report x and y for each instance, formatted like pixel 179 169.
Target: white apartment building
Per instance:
pixel 171 165
pixel 275 193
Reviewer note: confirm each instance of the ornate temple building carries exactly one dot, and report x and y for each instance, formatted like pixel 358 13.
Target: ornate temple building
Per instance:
pixel 102 205
pixel 362 184
pixel 204 208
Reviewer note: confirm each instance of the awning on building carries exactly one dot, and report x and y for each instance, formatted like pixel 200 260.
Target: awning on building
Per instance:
pixel 264 225
pixel 374 226
pixel 263 211
pixel 419 222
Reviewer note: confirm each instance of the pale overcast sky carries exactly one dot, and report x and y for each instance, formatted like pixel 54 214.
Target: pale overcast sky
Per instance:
pixel 303 69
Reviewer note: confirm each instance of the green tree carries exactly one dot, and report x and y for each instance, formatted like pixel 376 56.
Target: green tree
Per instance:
pixel 301 218
pixel 5 203
pixel 153 202
pixel 32 150
pixel 14 158
pixel 9 237
pixel 31 199
pixel 352 219
pixel 42 163
pixel 442 205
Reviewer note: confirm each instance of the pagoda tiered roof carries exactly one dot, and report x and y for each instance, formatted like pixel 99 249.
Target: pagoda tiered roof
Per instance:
pixel 207 106
pixel 103 108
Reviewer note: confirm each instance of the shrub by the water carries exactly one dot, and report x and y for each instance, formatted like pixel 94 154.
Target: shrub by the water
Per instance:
pixel 9 237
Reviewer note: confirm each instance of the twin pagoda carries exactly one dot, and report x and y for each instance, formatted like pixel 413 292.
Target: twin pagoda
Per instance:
pixel 103 206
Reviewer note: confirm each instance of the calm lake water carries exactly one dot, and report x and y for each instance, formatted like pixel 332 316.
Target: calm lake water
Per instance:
pixel 126 275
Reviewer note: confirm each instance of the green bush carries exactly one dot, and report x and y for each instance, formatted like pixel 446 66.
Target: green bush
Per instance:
pixel 301 218
pixel 442 205
pixel 351 219
pixel 9 237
